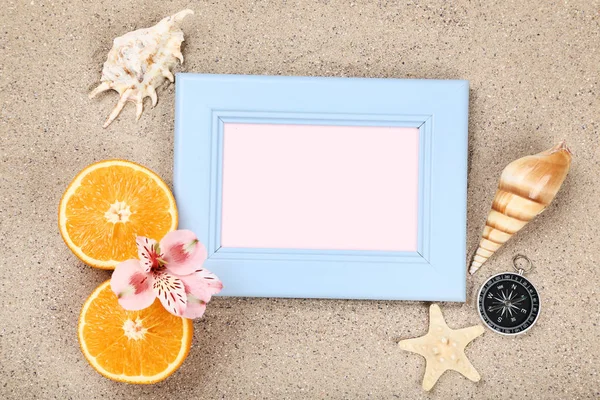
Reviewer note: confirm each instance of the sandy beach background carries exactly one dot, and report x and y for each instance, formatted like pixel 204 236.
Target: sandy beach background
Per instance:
pixel 533 68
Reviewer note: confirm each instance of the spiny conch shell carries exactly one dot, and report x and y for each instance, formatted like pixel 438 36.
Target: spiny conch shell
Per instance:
pixel 140 61
pixel 526 188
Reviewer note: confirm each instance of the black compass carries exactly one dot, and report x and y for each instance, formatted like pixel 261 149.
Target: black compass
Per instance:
pixel 508 303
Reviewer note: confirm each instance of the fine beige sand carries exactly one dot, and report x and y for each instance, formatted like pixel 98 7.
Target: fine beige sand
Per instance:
pixel 533 67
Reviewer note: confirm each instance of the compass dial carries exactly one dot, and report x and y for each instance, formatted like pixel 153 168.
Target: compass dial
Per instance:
pixel 508 303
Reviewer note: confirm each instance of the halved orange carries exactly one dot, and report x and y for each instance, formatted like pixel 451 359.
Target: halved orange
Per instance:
pixel 142 347
pixel 108 205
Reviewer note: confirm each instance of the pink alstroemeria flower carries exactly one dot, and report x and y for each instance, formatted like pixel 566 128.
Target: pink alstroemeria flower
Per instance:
pixel 171 271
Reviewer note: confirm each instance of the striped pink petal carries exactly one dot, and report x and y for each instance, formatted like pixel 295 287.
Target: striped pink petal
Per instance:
pixel 183 252
pixel 147 252
pixel 132 285
pixel 170 291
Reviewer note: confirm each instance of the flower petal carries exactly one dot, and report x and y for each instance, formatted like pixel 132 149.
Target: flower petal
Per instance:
pixel 195 307
pixel 132 285
pixel 202 284
pixel 182 251
pixel 199 287
pixel 146 252
pixel 171 293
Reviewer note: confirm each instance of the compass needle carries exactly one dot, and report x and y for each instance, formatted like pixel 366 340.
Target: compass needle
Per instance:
pixel 495 308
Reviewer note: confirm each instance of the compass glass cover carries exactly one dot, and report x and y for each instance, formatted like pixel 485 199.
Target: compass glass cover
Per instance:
pixel 509 303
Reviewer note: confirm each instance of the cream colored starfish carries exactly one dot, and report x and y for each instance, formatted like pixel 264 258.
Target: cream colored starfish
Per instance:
pixel 443 348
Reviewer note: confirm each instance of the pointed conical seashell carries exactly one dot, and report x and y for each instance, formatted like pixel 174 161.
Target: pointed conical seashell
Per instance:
pixel 140 61
pixel 526 188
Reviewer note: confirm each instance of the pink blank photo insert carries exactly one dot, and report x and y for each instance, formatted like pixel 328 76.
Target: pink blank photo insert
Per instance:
pixel 320 187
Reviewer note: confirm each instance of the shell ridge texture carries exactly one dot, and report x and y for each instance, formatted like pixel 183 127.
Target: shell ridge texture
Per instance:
pixel 140 61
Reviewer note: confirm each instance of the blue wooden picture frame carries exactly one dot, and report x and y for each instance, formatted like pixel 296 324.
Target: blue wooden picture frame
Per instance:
pixel 438 108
